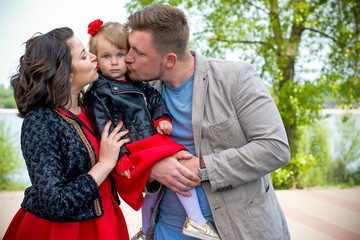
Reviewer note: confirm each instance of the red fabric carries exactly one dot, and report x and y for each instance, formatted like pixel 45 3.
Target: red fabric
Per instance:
pixel 143 154
pixel 164 118
pixel 110 226
pixel 123 164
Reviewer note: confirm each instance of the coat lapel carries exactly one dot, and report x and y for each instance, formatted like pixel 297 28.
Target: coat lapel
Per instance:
pixel 200 86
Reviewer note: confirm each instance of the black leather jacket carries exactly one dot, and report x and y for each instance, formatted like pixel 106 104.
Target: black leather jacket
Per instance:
pixel 136 104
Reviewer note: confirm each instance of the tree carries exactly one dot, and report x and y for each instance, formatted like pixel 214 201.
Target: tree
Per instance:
pixel 7 97
pixel 281 38
pixel 347 150
pixel 314 141
pixel 9 159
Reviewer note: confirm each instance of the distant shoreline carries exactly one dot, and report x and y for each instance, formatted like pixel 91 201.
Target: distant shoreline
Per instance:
pixel 335 111
pixel 8 110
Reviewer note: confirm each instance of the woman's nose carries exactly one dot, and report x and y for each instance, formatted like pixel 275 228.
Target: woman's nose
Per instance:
pixel 92 57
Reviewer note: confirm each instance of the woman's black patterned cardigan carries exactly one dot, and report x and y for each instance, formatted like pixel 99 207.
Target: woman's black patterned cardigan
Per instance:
pixel 58 157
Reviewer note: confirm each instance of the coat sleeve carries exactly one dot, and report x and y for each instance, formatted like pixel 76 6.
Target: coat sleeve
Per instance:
pixel 252 141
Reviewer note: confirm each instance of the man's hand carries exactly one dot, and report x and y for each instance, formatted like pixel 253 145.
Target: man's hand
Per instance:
pixel 192 164
pixel 169 172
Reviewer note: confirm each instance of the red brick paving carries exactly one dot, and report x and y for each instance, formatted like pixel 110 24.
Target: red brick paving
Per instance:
pixel 322 214
pixel 330 214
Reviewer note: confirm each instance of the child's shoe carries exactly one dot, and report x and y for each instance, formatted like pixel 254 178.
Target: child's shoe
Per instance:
pixel 139 236
pixel 206 232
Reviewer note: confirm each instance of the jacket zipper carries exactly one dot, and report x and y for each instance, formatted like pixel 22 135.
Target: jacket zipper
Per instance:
pixel 144 97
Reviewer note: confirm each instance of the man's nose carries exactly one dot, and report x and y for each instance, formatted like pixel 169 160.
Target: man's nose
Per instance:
pixel 128 57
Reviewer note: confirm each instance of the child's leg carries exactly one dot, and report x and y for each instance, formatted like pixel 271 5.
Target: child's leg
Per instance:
pixel 192 207
pixel 149 202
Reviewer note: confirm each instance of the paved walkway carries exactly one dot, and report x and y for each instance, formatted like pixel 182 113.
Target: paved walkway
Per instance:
pixel 311 215
pixel 322 214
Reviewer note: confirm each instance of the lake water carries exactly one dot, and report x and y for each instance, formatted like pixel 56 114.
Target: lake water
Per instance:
pixel 14 122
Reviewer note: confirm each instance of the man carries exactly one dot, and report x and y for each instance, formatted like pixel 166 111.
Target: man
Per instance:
pixel 224 115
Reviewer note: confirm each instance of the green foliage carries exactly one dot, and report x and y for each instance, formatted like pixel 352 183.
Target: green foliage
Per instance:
pixel 313 165
pixel 7 98
pixel 281 178
pixel 344 57
pixel 348 151
pixel 277 37
pixel 356 176
pixel 288 176
pixel 9 159
pixel 284 40
pixel 273 35
pixel 315 141
pixel 310 165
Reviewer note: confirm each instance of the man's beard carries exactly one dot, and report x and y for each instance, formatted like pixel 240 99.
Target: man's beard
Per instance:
pixel 135 77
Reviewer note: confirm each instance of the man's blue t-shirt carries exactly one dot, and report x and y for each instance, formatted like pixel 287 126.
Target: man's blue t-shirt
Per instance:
pixel 172 215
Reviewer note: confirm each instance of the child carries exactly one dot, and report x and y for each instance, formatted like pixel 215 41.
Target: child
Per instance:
pixel 115 97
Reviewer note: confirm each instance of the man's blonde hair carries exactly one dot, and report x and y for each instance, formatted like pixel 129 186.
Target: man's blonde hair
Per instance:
pixel 168 26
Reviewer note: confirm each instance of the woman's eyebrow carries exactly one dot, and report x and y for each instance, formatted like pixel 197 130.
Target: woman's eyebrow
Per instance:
pixel 82 51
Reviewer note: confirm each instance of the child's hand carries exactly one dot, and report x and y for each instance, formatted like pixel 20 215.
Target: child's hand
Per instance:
pixel 126 173
pixel 123 166
pixel 164 127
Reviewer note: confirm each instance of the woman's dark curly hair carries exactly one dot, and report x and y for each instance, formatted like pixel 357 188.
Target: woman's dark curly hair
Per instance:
pixel 43 77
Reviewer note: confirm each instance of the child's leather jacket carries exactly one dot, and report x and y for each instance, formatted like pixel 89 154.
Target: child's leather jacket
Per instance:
pixel 136 104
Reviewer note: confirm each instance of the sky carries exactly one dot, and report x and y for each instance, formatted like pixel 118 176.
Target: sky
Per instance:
pixel 21 19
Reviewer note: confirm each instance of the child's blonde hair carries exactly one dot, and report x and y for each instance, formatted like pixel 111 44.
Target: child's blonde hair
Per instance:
pixel 116 33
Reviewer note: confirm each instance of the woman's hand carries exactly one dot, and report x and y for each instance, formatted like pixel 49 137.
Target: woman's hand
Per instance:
pixel 111 143
pixel 109 152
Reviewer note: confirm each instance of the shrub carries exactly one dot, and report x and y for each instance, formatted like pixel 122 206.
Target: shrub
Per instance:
pixel 9 159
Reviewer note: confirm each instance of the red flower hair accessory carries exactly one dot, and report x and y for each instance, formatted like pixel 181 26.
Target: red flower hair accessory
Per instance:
pixel 94 27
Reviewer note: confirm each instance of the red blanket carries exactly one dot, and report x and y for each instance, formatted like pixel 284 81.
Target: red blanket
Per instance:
pixel 143 154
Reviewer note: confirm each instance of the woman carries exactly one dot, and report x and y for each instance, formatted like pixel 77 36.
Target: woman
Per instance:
pixel 71 196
